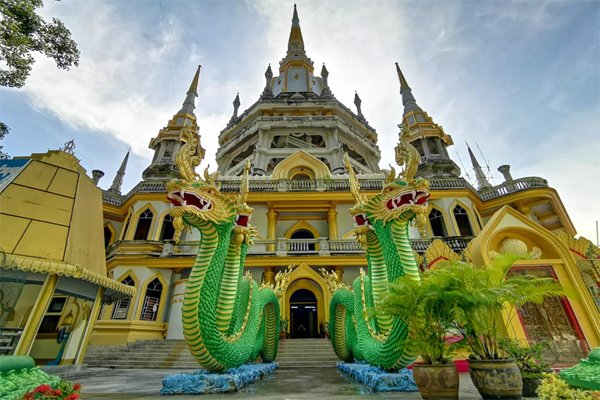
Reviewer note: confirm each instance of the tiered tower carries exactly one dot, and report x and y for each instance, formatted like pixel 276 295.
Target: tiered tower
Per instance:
pixel 427 136
pixel 168 141
pixel 297 111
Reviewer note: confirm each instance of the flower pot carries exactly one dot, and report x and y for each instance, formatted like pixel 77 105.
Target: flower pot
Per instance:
pixel 438 381
pixel 530 386
pixel 496 379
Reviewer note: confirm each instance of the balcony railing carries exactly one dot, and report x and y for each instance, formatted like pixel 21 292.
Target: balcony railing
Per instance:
pixel 337 183
pixel 280 247
pixel 515 185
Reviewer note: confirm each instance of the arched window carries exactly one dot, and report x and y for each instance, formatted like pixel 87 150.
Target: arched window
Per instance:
pixel 302 245
pixel 107 236
pixel 143 226
pixel 151 301
pixel 124 232
pixel 168 231
pixel 436 219
pixel 122 306
pixel 462 221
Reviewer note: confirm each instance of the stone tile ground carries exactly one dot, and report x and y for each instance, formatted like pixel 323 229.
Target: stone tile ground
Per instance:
pixel 285 384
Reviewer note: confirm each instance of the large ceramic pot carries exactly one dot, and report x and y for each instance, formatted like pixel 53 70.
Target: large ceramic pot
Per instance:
pixel 530 386
pixel 496 379
pixel 436 381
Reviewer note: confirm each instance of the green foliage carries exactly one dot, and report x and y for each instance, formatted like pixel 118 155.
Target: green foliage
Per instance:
pixel 4 130
pixel 471 299
pixel 430 317
pixel 529 358
pixel 482 294
pixel 554 388
pixel 22 32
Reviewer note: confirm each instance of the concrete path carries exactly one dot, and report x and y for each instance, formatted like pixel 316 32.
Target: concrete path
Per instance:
pixel 285 384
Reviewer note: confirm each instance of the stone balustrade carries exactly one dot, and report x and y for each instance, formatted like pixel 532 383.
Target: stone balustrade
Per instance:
pixel 336 183
pixel 276 247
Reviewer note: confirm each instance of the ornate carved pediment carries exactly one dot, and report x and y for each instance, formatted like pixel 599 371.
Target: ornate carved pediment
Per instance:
pixel 439 251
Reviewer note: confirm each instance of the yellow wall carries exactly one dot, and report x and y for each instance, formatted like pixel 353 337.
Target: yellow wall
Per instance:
pixel 53 210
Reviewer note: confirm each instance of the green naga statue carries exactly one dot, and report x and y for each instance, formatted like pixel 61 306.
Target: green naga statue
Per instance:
pixel 358 333
pixel 227 319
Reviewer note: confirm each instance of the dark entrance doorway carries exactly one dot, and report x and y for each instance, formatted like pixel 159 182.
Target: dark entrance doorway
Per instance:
pixel 303 315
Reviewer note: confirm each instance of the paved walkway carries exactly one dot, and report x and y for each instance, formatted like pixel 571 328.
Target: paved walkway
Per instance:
pixel 285 384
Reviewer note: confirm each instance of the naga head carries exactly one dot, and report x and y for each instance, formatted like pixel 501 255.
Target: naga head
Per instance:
pixel 402 198
pixel 195 199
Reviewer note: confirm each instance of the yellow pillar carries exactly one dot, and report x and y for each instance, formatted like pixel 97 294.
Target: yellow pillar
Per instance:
pixel 35 317
pixel 90 326
pixel 332 221
pixel 271 224
pixel 339 272
pixel 269 275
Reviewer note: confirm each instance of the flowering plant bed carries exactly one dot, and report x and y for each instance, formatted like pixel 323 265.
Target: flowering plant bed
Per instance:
pixel 62 391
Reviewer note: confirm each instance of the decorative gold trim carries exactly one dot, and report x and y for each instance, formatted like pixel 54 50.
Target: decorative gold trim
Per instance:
pixel 439 251
pixel 31 264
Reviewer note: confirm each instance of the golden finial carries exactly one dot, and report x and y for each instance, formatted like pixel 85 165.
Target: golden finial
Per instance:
pixel 407 155
pixel 244 185
pixel 190 155
pixel 354 184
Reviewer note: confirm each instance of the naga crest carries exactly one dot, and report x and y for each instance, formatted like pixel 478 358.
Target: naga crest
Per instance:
pixel 402 196
pixel 196 199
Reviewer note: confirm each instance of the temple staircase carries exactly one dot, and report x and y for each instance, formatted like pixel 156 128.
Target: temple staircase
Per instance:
pixel 174 354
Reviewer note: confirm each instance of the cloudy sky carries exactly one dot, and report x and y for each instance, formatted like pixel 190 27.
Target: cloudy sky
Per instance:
pixel 519 79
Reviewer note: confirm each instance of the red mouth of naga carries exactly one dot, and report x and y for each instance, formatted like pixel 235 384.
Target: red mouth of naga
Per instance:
pixel 415 197
pixel 242 220
pixel 361 219
pixel 189 199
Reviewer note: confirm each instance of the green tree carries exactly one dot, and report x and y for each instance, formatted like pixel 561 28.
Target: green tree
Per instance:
pixel 3 132
pixel 22 32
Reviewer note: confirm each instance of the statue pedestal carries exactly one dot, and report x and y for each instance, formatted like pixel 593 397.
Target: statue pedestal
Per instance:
pixel 202 381
pixel 379 380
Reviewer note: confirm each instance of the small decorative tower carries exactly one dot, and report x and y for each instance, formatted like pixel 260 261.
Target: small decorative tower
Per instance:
pixel 482 182
pixel 236 106
pixel 426 136
pixel 118 181
pixel 357 103
pixel 168 141
pixel 326 91
pixel 268 92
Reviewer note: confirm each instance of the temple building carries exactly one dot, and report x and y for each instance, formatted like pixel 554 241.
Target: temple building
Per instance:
pixel 295 136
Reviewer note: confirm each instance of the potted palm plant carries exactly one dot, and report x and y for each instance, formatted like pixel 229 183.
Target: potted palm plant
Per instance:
pixel 530 360
pixel 481 295
pixel 430 318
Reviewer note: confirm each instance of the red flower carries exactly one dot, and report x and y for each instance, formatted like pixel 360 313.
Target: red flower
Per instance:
pixel 77 386
pixel 57 392
pixel 42 389
pixel 72 396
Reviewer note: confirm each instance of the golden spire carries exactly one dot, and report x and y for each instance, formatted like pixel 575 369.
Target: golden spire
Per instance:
pixel 410 104
pixel 403 82
pixel 194 84
pixel 189 103
pixel 295 42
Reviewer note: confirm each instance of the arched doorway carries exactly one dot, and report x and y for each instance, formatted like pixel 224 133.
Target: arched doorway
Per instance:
pixel 303 315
